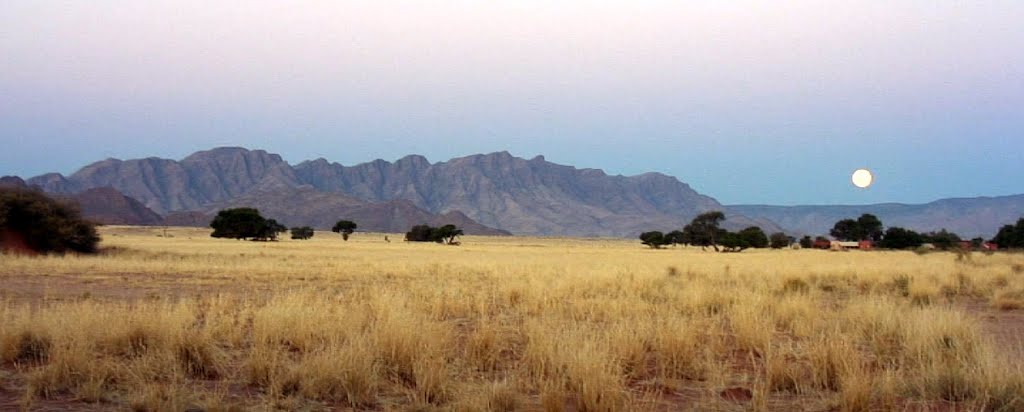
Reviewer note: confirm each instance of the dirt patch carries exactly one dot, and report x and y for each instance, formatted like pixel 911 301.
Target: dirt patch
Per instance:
pixel 1005 327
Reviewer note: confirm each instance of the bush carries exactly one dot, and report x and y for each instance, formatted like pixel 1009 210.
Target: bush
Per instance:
pixel 654 239
pixel 423 233
pixel 31 220
pixel 245 223
pixel 302 233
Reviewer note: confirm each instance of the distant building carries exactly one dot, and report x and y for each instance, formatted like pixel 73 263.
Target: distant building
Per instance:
pixel 843 245
pixel 989 246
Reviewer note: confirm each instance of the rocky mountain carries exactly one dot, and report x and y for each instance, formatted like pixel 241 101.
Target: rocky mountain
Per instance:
pixel 108 206
pixel 534 196
pixel 13 182
pixel 165 185
pixel 968 217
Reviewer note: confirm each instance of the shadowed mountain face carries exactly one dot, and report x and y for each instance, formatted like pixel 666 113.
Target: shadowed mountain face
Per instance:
pixel 971 217
pixel 108 206
pixel 498 190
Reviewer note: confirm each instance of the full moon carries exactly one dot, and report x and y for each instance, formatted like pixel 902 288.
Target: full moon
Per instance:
pixel 862 178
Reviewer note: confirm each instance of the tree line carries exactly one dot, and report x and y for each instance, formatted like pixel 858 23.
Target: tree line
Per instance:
pixel 705 231
pixel 247 223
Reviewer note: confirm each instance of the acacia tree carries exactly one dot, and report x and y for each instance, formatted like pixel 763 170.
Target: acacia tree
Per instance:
pixel 446 234
pixel 747 238
pixel 270 230
pixel 703 230
pixel 866 227
pixel 345 228
pixel 676 237
pixel 239 223
pixel 654 239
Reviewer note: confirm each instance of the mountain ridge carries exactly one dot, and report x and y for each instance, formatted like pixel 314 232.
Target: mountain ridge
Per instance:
pixel 523 196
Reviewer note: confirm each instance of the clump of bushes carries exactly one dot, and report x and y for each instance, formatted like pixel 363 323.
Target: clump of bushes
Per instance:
pixel 245 223
pixel 32 222
pixel 446 234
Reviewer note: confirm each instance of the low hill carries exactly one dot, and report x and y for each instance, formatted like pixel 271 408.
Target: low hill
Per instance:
pixel 968 217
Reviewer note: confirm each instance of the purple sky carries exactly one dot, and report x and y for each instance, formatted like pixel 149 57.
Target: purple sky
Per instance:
pixel 749 102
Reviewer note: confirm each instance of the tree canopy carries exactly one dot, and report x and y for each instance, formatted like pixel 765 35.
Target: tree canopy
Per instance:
pixel 32 220
pixel 245 223
pixel 302 233
pixel 751 237
pixel 345 228
pixel 446 234
pixel 1010 236
pixel 654 239
pixel 703 230
pixel 779 240
pixel 866 227
pixel 900 238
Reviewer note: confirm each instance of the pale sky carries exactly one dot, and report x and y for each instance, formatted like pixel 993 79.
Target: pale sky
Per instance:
pixel 749 102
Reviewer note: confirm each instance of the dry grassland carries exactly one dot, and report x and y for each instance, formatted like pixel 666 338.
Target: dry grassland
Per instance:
pixel 505 324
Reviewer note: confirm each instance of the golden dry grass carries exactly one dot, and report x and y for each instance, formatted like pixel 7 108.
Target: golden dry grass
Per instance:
pixel 502 324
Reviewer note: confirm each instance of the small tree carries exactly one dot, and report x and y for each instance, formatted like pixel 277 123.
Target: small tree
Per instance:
pixel 270 230
pixel 779 240
pixel 943 239
pixel 32 220
pixel 806 242
pixel 1010 236
pixel 345 228
pixel 900 238
pixel 866 227
pixel 238 223
pixel 446 234
pixel 419 233
pixel 302 233
pixel 676 237
pixel 654 239
pixel 703 230
pixel 754 237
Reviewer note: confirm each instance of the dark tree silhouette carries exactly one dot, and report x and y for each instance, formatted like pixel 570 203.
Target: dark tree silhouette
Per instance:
pixel 345 228
pixel 245 223
pixel 654 239
pixel 779 240
pixel 32 220
pixel 302 233
pixel 900 238
pixel 703 230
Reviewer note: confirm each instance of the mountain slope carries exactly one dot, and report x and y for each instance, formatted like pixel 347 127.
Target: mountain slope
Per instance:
pixel 522 196
pixel 108 206
pixel 532 197
pixel 968 217
pixel 166 185
pixel 305 206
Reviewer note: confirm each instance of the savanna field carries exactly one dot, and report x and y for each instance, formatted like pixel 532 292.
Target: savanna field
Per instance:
pixel 175 320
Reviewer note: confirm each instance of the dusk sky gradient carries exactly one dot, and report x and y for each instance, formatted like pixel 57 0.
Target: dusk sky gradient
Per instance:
pixel 748 102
